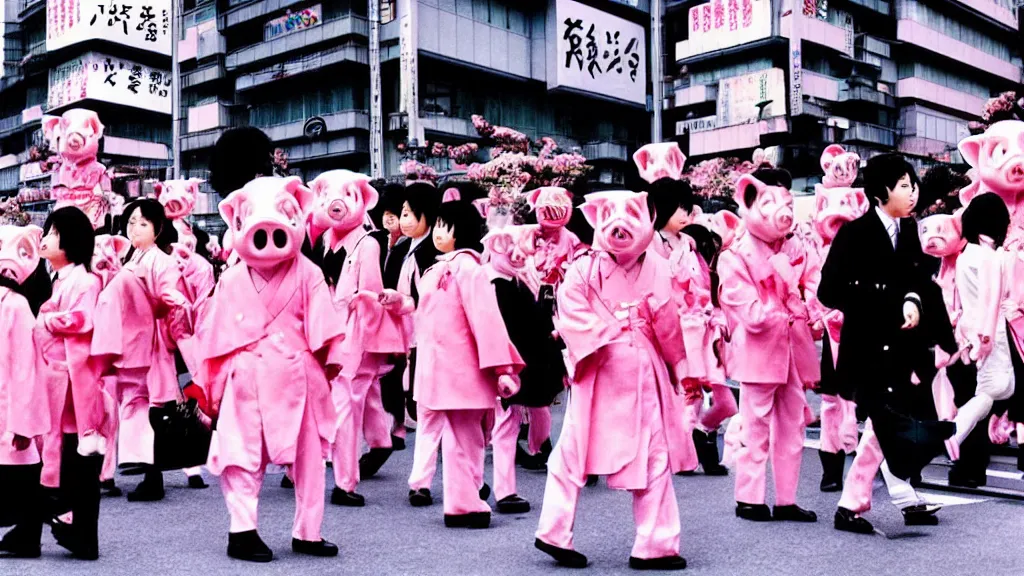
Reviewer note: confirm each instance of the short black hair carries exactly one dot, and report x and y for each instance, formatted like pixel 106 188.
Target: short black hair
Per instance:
pixel 770 177
pixel 153 211
pixel 465 222
pixel 423 200
pixel 77 238
pixel 202 239
pixel 883 171
pixel 986 215
pixel 708 243
pixel 665 196
pixel 240 155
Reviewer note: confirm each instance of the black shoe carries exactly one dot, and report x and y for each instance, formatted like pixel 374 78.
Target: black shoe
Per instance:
pixel 371 462
pixel 321 549
pixel 397 444
pixel 151 489
pixel 706 445
pixel 563 556
pixel 287 483
pixel 832 468
pixel 921 515
pixel 527 461
pixel 793 513
pixel 665 563
pixel 340 497
pixel 420 498
pixel 65 537
pixel 513 505
pixel 485 492
pixel 753 512
pixel 248 546
pixel 524 432
pixel 592 481
pixel 15 545
pixel 110 489
pixel 197 483
pixel 472 520
pixel 848 521
pixel 959 477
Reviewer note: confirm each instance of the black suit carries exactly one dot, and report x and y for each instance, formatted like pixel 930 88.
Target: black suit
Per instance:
pixel 869 281
pixel 529 328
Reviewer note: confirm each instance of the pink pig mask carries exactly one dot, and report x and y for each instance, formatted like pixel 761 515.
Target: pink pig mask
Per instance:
pixel 552 205
pixel 178 196
pixel 998 156
pixel 76 134
pixel 508 248
pixel 941 235
pixel 107 255
pixel 770 216
pixel 265 220
pixel 19 251
pixel 835 207
pixel 342 199
pixel 840 167
pixel 621 221
pixel 659 160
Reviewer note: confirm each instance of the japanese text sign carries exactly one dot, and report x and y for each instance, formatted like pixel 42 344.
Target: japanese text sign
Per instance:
pixel 725 23
pixel 142 24
pixel 116 80
pixel 740 98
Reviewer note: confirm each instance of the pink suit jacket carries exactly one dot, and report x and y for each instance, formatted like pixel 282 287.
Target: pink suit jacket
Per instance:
pixel 24 401
pixel 461 337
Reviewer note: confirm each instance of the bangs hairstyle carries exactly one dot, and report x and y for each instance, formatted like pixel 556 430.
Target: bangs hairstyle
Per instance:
pixel 665 196
pixel 240 155
pixel 708 243
pixel 77 238
pixel 986 215
pixel 465 223
pixel 882 172
pixel 153 211
pixel 423 201
pixel 770 177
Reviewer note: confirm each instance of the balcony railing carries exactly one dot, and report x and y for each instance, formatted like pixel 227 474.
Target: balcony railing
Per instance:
pixel 201 140
pixel 329 30
pixel 10 124
pixel 27 8
pixel 865 94
pixel 337 122
pixel 203 75
pixel 252 11
pixel 308 63
pixel 870 133
pixel 605 151
pixel 880 6
pixel 9 178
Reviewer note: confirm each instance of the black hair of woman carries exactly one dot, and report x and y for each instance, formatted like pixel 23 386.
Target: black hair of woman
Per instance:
pixel 77 238
pixel 464 222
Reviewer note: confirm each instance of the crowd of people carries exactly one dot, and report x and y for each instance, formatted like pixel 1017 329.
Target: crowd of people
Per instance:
pixel 342 310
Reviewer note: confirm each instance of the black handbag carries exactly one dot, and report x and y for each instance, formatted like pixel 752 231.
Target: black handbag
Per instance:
pixel 181 439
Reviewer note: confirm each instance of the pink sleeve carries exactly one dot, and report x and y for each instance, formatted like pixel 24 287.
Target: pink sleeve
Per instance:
pixel 369 267
pixel 28 405
pixel 493 345
pixel 78 316
pixel 990 288
pixel 322 325
pixel 738 296
pixel 580 327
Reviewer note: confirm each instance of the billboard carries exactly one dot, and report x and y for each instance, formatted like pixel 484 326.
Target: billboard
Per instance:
pixel 293 22
pixel 725 23
pixel 593 51
pixel 739 97
pixel 696 125
pixel 142 25
pixel 116 80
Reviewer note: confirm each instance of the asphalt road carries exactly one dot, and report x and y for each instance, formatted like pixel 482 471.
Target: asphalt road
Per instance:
pixel 187 534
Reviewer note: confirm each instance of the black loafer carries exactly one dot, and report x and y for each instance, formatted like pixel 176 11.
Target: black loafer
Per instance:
pixel 562 556
pixel 397 444
pixel 371 462
pixel 322 549
pixel 793 513
pixel 664 563
pixel 753 512
pixel 197 482
pixel 513 505
pixel 420 498
pixel 287 483
pixel 340 497
pixel 249 546
pixel 478 520
pixel 110 489
pixel 485 492
pixel 921 515
pixel 848 521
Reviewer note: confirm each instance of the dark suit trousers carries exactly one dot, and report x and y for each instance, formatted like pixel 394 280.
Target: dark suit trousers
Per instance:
pixel 80 485
pixel 22 504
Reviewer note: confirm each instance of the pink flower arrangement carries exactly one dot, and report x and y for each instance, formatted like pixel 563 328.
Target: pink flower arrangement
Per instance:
pixel 11 214
pixel 717 177
pixel 414 171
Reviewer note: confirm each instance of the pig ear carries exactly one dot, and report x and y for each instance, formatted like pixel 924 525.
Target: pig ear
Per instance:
pixel 533 197
pixel 729 220
pixel 642 159
pixel 318 185
pixel 745 182
pixel 481 206
pixel 451 195
pixel 228 207
pixel 121 245
pixel 35 233
pixel 158 188
pixel 829 154
pixel 958 221
pixel 676 160
pixel 50 124
pixel 304 195
pixel 590 210
pixel 370 194
pixel 970 148
pixel 97 126
pixel 820 198
pixel 193 185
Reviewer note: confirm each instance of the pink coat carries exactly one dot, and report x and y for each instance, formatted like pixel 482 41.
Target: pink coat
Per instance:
pixel 277 333
pixel 610 342
pixel 63 334
pixel 24 402
pixel 768 321
pixel 461 337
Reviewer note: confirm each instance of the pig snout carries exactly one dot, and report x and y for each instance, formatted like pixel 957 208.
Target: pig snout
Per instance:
pixel 270 237
pixel 1015 172
pixel 784 219
pixel 8 271
pixel 75 142
pixel 337 210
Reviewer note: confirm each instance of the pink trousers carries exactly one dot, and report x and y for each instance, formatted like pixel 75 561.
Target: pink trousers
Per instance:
pixel 350 400
pixel 111 408
pixel 241 487
pixel 655 508
pixel 860 480
pixel 723 406
pixel 463 446
pixel 540 427
pixel 429 430
pixel 773 422
pixel 135 434
pixel 504 438
pixel 838 424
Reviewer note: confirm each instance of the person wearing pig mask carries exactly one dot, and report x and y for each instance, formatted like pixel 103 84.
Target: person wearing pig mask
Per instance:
pixel 763 276
pixel 179 199
pixel 24 406
pixel 80 181
pixel 63 332
pixel 267 345
pixel 351 259
pixel 530 329
pixel 998 156
pixel 620 324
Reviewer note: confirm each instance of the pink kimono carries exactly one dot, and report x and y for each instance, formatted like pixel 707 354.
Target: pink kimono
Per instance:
pixel 620 326
pixel 771 350
pixel 463 352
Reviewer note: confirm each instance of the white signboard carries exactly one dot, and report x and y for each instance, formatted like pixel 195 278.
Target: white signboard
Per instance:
pixel 696 125
pixel 293 22
pixel 116 80
pixel 739 97
pixel 142 24
pixel 724 23
pixel 596 52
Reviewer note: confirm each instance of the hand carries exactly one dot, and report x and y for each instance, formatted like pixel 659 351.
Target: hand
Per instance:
pixel 21 443
pixel 390 298
pixel 508 385
pixel 1011 310
pixel 911 315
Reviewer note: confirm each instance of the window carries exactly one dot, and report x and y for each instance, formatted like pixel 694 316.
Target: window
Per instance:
pixel 945 25
pixel 943 78
pixel 437 99
pixel 317 102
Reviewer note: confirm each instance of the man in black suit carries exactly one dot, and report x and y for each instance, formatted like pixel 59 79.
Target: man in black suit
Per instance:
pixel 877 276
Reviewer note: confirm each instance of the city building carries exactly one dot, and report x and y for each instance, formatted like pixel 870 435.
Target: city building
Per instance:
pixel 872 75
pixel 113 58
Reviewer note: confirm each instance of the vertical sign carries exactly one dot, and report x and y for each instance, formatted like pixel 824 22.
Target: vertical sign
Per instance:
pixel 796 63
pixel 409 73
pixel 376 110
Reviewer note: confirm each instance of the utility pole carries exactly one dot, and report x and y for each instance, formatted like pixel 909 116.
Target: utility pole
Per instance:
pixel 376 110
pixel 175 170
pixel 657 71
